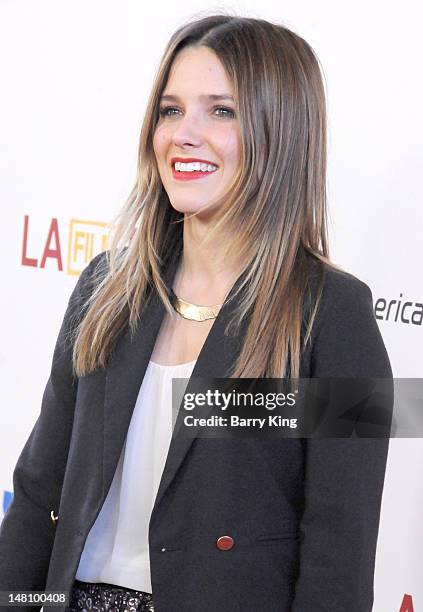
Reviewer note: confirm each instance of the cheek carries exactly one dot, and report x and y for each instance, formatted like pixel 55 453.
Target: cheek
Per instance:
pixel 160 141
pixel 229 146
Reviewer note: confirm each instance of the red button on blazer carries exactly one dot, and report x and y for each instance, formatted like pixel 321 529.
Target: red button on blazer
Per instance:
pixel 224 542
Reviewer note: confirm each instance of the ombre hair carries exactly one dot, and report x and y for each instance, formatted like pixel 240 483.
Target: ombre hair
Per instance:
pixel 275 206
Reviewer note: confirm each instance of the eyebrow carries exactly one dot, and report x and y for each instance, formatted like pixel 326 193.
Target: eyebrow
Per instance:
pixel 172 98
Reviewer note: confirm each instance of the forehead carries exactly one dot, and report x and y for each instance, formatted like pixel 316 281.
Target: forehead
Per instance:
pixel 197 71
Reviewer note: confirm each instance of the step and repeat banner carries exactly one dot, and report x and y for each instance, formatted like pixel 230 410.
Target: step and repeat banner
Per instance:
pixel 75 82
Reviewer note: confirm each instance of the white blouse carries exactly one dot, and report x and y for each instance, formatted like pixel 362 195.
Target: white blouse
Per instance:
pixel 116 549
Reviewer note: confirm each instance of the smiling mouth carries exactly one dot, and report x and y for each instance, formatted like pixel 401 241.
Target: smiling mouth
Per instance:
pixel 194 165
pixel 186 175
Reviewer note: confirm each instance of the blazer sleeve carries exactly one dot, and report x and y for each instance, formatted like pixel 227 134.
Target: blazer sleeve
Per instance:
pixel 27 531
pixel 344 477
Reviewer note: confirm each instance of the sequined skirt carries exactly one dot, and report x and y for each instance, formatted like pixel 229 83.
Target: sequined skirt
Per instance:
pixel 104 597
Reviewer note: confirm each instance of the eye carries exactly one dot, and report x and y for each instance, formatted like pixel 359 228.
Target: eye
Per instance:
pixel 227 110
pixel 163 111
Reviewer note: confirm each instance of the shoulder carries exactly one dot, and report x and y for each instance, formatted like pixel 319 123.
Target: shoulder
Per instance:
pixel 84 287
pixel 338 283
pixel 345 294
pixel 92 273
pixel 97 263
pixel 342 293
pixel 345 339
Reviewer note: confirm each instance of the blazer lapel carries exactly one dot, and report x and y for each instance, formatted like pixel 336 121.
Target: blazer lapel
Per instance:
pixel 215 360
pixel 128 364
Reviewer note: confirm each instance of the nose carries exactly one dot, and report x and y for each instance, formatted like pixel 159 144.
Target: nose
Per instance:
pixel 188 130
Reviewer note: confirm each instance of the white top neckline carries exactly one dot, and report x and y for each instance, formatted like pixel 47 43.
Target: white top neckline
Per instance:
pixel 174 366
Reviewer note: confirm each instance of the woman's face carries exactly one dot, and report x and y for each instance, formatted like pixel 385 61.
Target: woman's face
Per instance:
pixel 197 123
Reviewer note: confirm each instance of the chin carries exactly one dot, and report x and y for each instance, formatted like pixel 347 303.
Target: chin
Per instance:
pixel 183 208
pixel 186 207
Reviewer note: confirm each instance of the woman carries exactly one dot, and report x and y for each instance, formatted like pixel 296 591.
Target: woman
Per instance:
pixel 217 268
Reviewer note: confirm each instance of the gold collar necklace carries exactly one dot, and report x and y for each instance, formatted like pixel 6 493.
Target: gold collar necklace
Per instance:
pixel 193 312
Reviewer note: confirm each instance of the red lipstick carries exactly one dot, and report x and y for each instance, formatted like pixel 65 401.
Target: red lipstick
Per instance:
pixel 189 176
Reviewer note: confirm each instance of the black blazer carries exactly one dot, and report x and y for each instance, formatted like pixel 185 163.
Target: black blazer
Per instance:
pixel 303 513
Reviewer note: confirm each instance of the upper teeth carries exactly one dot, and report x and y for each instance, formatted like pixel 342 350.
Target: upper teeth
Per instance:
pixel 191 166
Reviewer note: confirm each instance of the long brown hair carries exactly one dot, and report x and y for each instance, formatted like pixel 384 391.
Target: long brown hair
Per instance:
pixel 276 204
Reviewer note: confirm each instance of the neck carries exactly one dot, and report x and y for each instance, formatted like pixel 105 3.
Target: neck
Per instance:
pixel 205 274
